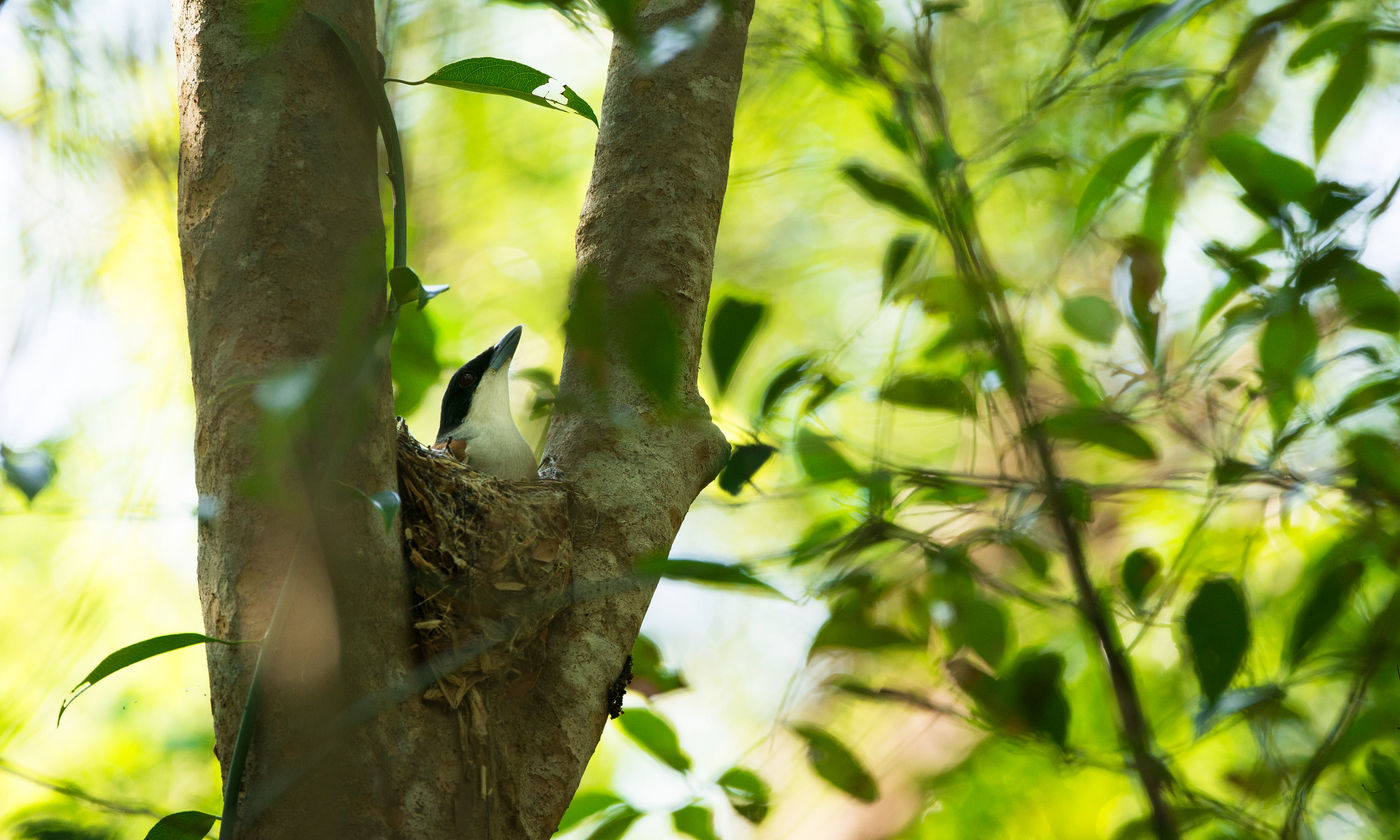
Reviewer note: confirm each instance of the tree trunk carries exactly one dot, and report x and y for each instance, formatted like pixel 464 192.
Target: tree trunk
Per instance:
pixel 282 242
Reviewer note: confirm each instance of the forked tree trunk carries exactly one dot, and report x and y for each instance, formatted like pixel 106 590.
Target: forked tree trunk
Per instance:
pixel 282 242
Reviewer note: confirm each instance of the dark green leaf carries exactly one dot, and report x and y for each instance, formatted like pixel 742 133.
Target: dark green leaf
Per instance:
pixel 1261 171
pixel 1139 573
pixel 1233 702
pixel 980 625
pixel 704 571
pixel 1327 595
pixel 1231 471
pixel 1376 463
pixel 1038 695
pixel 984 689
pixel 29 472
pixel 1384 784
pixel 185 825
pixel 1101 427
pixel 748 794
pixel 650 676
pixel 892 269
pixel 1092 317
pixel 695 821
pixel 1331 201
pixel 732 329
pixel 1077 499
pixel 918 391
pixel 651 345
pixel 1368 299
pixel 1217 630
pixel 852 631
pixel 131 654
pixel 387 503
pixel 783 381
pixel 1031 160
pixel 404 285
pixel 838 765
pixel 504 77
pixel 946 491
pixel 656 736
pixel 820 460
pixel 414 363
pixel 615 823
pixel 744 461
pixel 1348 80
pixel 1366 396
pixel 584 805
pixel 1110 176
pixel 1334 39
pixel 890 191
pixel 1286 346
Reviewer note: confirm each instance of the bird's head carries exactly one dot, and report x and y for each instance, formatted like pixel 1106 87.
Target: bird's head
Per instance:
pixel 478 394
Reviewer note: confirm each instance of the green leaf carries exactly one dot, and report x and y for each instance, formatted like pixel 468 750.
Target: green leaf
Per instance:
pixel 1368 299
pixel 615 823
pixel 584 805
pixel 131 654
pixel 1163 197
pixel 946 491
pixel 387 503
pixel 1334 39
pixel 695 821
pixel 1038 695
pixel 1217 630
pixel 820 460
pixel 1102 428
pixel 650 676
pixel 1178 12
pixel 414 363
pixel 787 378
pixel 1147 271
pixel 1348 80
pixel 504 77
pixel 838 765
pixel 1364 397
pixel 1326 597
pixel 184 825
pixel 984 689
pixel 1286 346
pixel 732 329
pixel 29 472
pixel 744 460
pixel 886 189
pixel 980 625
pixel 852 631
pixel 1384 784
pixel 940 393
pixel 655 735
pixel 404 285
pixel 1139 574
pixel 1261 171
pixel 704 571
pixel 1234 702
pixel 748 794
pixel 892 268
pixel 1080 385
pixel 1092 317
pixel 1110 176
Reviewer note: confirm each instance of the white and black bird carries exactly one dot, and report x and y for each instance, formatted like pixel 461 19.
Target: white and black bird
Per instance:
pixel 477 426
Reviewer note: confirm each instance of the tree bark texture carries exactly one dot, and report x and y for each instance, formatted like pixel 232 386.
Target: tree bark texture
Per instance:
pixel 282 243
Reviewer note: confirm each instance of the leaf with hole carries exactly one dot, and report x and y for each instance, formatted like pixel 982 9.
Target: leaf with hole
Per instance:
pixel 732 329
pixel 833 761
pixel 503 77
pixel 1217 632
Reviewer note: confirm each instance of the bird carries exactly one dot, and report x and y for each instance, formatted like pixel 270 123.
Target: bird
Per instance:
pixel 477 427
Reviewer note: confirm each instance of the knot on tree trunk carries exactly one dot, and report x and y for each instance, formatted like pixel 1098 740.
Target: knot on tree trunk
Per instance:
pixel 491 563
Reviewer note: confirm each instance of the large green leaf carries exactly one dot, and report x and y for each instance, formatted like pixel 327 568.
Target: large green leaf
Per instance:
pixel 1092 317
pixel 585 804
pixel 744 460
pixel 833 761
pixel 1103 428
pixel 892 192
pixel 1348 80
pixel 504 77
pixel 732 329
pixel 131 654
pixel 1217 630
pixel 747 793
pixel 184 825
pixel 655 736
pixel 1109 176
pixel 1261 171
pixel 939 393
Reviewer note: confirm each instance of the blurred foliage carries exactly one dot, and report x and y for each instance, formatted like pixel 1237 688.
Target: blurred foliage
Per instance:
pixel 1151 236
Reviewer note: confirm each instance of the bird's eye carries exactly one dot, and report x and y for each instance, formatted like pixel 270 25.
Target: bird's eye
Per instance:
pixel 467 379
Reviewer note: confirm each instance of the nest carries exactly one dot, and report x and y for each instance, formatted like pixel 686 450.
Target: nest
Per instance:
pixel 490 562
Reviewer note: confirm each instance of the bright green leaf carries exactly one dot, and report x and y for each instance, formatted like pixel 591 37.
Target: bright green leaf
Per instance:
pixel 1100 427
pixel 1348 80
pixel 695 821
pixel 1334 39
pixel 655 735
pixel 1092 317
pixel 584 805
pixel 1110 176
pixel 616 820
pixel 131 654
pixel 504 77
pixel 748 794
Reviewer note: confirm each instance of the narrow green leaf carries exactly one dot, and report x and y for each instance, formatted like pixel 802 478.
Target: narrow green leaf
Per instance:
pixel 1326 598
pixel 1348 80
pixel 787 378
pixel 1178 12
pixel 838 765
pixel 184 825
pixel 1234 702
pixel 1217 631
pixel 1286 346
pixel 1092 317
pixel 820 460
pixel 1110 176
pixel 695 821
pixel 1139 574
pixel 1368 395
pixel 29 472
pixel 653 734
pixel 387 503
pixel 584 805
pixel 748 794
pixel 414 363
pixel 883 188
pixel 1334 39
pixel 1078 382
pixel 131 654
pixel 744 461
pixel 616 821
pixel 732 329
pixel 1103 428
pixel 503 77
pixel 704 571
pixel 941 393
pixel 892 268
pixel 1261 171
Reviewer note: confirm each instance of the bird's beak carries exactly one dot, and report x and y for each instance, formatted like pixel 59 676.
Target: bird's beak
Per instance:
pixel 505 349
